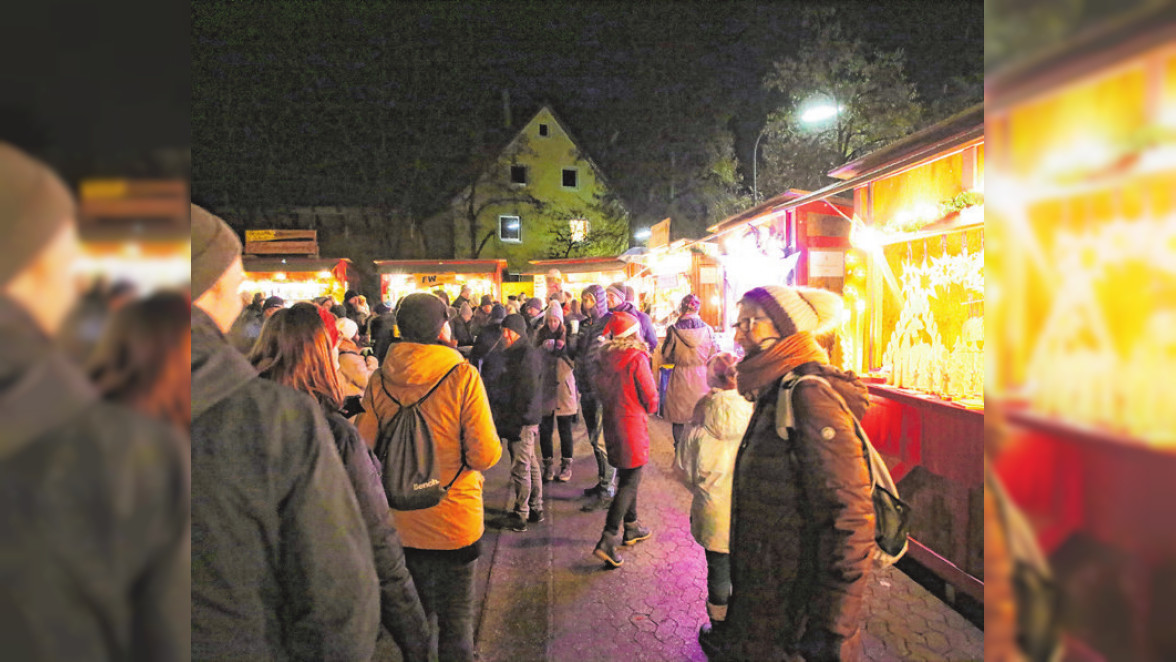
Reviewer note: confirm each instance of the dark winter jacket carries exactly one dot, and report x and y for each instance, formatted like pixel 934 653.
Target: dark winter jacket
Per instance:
pixel 511 376
pixel 281 561
pixel 94 549
pixel 400 607
pixel 648 333
pixel 627 393
pixel 463 331
pixel 383 333
pixel 804 504
pixel 490 339
pixel 246 329
pixel 583 342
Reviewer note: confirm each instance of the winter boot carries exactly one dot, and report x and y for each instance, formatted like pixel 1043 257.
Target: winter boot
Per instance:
pixel 565 470
pixel 606 550
pixel 548 469
pixel 635 533
pixel 710 635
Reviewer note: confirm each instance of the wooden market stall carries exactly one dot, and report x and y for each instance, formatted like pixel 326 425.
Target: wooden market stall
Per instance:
pixel 576 273
pixel 668 273
pixel 1083 192
pixel 299 278
pixel 399 278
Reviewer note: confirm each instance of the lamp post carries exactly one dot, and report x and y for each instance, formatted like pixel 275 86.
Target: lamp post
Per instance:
pixel 755 166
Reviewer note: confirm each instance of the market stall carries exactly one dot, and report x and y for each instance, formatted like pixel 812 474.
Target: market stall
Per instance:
pixel 914 327
pixel 299 278
pixel 576 273
pixel 670 272
pixel 399 278
pixel 1083 211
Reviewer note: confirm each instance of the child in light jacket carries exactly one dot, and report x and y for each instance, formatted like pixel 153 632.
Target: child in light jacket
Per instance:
pixel 705 462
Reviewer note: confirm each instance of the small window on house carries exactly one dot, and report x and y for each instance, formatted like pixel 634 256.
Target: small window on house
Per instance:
pixel 571 178
pixel 579 229
pixel 518 174
pixel 510 229
pixel 543 129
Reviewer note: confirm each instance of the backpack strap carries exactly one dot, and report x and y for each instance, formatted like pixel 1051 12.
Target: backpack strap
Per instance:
pixel 379 423
pixel 786 416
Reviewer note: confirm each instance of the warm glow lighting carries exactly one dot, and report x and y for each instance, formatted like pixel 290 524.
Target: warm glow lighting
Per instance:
pixel 715 300
pixel 643 233
pixel 865 238
pixel 820 113
pixel 324 275
pixel 860 305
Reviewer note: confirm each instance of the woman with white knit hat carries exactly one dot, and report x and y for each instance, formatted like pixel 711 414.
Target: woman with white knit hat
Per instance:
pixel 802 518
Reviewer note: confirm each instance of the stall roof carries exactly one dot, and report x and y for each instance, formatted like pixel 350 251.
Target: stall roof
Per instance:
pixel 295 264
pixel 439 266
pixel 576 265
pixel 786 200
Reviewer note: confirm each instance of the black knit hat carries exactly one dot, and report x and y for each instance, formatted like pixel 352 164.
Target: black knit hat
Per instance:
pixel 420 317
pixel 497 313
pixel 516 323
pixel 273 302
pixel 486 300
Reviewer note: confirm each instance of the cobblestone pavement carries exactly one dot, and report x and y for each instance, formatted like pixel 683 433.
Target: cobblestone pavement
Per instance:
pixel 543 595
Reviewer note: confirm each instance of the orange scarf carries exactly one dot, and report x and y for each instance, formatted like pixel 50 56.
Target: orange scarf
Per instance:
pixel 758 370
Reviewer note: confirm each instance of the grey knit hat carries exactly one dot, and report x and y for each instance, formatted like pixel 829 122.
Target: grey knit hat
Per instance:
pixel 34 205
pixel 214 247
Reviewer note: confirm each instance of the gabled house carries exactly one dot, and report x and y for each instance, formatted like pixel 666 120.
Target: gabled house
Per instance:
pixel 543 197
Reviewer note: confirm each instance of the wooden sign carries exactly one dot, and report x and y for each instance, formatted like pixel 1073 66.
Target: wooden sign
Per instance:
pixel 429 280
pixel 826 264
pixel 659 234
pixel 135 199
pixel 281 242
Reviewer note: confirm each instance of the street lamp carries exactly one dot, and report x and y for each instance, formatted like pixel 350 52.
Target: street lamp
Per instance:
pixel 642 234
pixel 755 166
pixel 820 113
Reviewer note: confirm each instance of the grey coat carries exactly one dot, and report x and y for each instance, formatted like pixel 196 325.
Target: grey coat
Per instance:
pixel 688 347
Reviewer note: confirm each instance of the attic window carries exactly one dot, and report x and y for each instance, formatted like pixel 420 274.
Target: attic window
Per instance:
pixel 518 174
pixel 571 178
pixel 543 129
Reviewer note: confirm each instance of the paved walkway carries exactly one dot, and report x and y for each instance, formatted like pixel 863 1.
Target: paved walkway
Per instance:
pixel 543 595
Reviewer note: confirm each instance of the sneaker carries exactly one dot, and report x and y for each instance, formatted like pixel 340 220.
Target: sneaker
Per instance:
pixel 515 522
pixel 599 502
pixel 548 470
pixel 536 516
pixel 565 472
pixel 606 550
pixel 635 533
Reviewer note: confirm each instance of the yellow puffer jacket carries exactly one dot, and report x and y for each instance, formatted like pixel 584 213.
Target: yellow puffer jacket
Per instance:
pixel 458 415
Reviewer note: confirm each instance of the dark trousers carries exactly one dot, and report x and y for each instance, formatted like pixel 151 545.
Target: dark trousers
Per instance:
pixel 677 429
pixel 445 582
pixel 624 504
pixel 718 577
pixel 546 427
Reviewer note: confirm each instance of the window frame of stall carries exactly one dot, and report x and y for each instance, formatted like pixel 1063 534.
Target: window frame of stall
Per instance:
pixel 272 276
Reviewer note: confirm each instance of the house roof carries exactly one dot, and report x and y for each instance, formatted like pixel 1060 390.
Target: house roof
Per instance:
pixel 786 200
pixel 439 266
pixel 575 265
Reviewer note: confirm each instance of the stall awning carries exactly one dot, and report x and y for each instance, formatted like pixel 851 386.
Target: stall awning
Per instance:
pixel 294 264
pixel 576 265
pixel 440 266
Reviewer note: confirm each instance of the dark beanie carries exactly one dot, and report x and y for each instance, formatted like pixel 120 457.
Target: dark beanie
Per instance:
pixel 516 323
pixel 34 205
pixel 214 247
pixel 534 302
pixel 420 317
pixel 350 294
pixel 497 313
pixel 486 300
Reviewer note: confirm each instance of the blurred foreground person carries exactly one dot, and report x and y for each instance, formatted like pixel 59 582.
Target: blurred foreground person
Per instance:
pixel 94 530
pixel 802 515
pixel 282 564
pixel 142 360
pixel 294 349
pixel 441 544
pixel 705 462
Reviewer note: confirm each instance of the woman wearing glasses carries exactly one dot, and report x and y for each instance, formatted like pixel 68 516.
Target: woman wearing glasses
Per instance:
pixel 802 519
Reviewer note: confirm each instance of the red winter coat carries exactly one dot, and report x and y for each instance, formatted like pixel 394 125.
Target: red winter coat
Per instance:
pixel 627 393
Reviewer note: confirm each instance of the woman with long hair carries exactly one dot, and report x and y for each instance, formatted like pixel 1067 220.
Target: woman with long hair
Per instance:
pixel 143 359
pixel 295 349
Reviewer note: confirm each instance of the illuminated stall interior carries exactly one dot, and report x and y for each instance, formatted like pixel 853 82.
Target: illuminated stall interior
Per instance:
pixel 669 273
pixel 399 278
pixel 299 278
pixel 579 272
pixel 135 231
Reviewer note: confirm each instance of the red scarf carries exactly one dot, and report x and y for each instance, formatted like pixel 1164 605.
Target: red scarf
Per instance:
pixel 758 370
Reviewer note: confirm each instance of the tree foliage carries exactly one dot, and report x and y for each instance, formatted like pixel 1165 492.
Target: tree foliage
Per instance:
pixel 607 232
pixel 876 103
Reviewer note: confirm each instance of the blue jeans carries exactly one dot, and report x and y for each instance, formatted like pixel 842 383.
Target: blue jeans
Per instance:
pixel 590 407
pixel 445 582
pixel 526 478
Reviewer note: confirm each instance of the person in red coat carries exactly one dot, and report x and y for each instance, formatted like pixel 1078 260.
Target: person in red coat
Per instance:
pixel 624 384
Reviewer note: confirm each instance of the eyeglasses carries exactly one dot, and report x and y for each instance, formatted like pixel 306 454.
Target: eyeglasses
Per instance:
pixel 746 323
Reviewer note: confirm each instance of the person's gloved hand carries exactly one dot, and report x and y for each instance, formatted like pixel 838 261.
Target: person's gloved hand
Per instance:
pixel 549 345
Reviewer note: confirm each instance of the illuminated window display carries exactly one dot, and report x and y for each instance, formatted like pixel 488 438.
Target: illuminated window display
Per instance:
pixel 299 279
pixel 399 278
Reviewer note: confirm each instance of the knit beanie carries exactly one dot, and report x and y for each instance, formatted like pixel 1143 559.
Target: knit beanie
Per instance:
pixel 34 205
pixel 630 294
pixel 347 327
pixel 497 313
pixel 554 310
pixel 690 304
pixel 420 317
pixel 621 325
pixel 797 309
pixel 273 302
pixel 486 300
pixel 328 322
pixel 617 289
pixel 600 309
pixel 214 247
pixel 349 294
pixel 534 302
pixel 516 323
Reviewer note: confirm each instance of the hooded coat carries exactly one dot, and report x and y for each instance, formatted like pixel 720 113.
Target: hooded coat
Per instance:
pixel 557 389
pixel 705 462
pixel 689 344
pixel 511 375
pixel 94 554
pixel 281 561
pixel 585 341
pixel 458 415
pixel 627 393
pixel 802 528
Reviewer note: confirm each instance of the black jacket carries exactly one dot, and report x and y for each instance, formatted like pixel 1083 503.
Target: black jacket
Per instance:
pixel 94 528
pixel 281 562
pixel 512 378
pixel 400 607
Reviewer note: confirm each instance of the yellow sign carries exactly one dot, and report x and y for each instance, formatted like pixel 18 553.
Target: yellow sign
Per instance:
pixel 429 280
pixel 659 234
pixel 260 235
pixel 104 188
